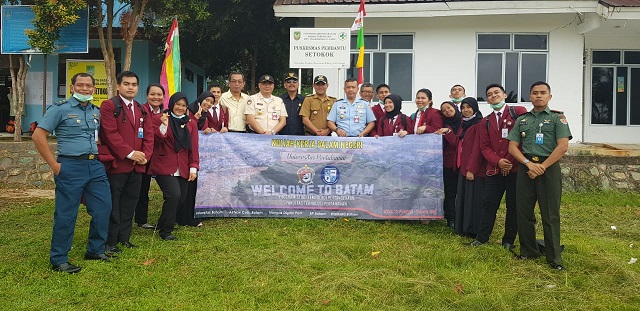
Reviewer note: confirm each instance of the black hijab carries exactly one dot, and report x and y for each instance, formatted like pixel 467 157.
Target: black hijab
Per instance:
pixel 195 106
pixel 182 137
pixel 477 115
pixel 453 122
pixel 397 105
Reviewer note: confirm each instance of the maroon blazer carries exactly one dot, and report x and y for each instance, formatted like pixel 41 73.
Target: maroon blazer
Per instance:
pixel 450 148
pixel 378 112
pixel 431 118
pixel 205 124
pixel 165 160
pixel 492 145
pixel 471 159
pixel 121 138
pixel 383 128
pixel 223 121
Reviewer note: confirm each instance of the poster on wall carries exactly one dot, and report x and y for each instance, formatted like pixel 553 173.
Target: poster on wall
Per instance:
pixel 320 177
pixel 97 69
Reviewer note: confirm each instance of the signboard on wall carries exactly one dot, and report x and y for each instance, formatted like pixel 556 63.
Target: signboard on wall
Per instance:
pixel 97 69
pixel 17 18
pixel 319 47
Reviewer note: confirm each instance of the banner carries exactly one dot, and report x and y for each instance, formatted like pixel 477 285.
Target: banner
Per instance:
pixel 95 68
pixel 250 175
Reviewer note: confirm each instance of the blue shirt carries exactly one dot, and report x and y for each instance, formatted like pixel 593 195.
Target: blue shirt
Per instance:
pixel 75 126
pixel 352 118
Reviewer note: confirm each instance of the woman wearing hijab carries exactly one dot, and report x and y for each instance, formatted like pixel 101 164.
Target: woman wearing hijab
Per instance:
pixel 175 161
pixel 199 113
pixel 393 122
pixel 452 120
pixel 426 119
pixel 471 179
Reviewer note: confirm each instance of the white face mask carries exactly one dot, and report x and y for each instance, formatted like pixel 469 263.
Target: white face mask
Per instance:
pixel 82 98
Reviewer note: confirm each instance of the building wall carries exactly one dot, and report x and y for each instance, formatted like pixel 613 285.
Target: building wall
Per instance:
pixel 445 54
pixel 146 63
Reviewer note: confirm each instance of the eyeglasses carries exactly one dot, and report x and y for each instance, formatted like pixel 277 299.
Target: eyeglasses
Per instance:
pixel 236 81
pixel 291 81
pixel 366 92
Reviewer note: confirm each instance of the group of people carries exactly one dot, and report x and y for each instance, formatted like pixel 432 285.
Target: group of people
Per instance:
pixel 108 155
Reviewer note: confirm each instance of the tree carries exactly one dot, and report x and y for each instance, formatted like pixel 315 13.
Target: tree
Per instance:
pixel 50 17
pixel 132 14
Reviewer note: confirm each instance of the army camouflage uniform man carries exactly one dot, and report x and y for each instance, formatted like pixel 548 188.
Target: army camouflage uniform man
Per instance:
pixel 544 135
pixel 316 107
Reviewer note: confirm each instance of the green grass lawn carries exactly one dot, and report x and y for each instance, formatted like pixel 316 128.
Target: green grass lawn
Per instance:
pixel 311 264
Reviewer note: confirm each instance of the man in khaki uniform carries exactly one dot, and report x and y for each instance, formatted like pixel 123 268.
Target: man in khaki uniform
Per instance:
pixel 236 102
pixel 316 107
pixel 266 114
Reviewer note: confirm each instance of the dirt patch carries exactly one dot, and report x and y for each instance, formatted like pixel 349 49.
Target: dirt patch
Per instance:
pixel 27 193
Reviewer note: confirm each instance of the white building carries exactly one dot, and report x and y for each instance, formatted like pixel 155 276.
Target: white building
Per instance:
pixel 588 51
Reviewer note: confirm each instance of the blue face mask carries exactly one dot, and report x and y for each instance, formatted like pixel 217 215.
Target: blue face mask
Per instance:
pixel 497 106
pixel 180 117
pixel 457 100
pixel 82 98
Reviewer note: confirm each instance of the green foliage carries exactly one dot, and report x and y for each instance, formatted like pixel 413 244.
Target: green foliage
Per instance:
pixel 50 17
pixel 315 264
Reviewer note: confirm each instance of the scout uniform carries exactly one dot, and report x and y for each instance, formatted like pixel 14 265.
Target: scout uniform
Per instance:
pixel 351 117
pixel 267 111
pixel 537 133
pixel 236 110
pixel 81 174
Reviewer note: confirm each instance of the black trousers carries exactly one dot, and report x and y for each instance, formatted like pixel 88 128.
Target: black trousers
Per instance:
pixel 494 188
pixel 142 208
pixel 450 178
pixel 174 192
pixel 184 216
pixel 125 189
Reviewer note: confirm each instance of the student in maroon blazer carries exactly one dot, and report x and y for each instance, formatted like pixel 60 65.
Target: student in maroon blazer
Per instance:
pixel 393 122
pixel 501 168
pixel 426 119
pixel 452 119
pixel 175 161
pixel 218 118
pixel 470 183
pixel 153 106
pixel 382 90
pixel 129 138
pixel 199 109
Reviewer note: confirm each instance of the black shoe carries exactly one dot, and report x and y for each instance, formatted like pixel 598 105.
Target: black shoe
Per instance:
pixel 508 246
pixel 92 256
pixel 169 237
pixel 475 243
pixel 555 266
pixel 520 257
pixel 146 226
pixel 128 245
pixel 66 267
pixel 111 249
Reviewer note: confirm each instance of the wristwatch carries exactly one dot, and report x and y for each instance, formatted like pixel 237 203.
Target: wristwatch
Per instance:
pixel 525 161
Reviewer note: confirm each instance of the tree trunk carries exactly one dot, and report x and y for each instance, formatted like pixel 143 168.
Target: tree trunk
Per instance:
pixel 18 81
pixel 137 10
pixel 106 45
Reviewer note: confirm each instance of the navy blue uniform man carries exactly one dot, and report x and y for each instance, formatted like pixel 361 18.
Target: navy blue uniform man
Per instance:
pixel 77 172
pixel 292 102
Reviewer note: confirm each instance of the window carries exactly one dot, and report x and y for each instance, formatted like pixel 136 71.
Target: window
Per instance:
pixel 513 60
pixel 388 58
pixel 615 88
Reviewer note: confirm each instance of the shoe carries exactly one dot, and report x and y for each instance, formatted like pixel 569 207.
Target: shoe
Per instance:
pixel 199 225
pixel 169 237
pixel 508 246
pixel 128 245
pixel 520 257
pixel 92 256
pixel 66 267
pixel 146 226
pixel 475 243
pixel 555 266
pixel 111 249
